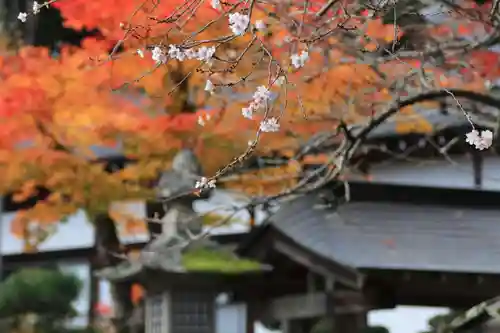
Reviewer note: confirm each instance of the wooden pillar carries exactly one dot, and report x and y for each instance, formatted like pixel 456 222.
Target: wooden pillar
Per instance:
pixel 347 312
pixel 250 317
pixel 287 326
pixel 350 322
pixel 297 326
pixel 350 312
pixel 93 297
pixel 329 321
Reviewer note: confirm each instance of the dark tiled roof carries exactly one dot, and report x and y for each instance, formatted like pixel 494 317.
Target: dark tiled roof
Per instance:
pixel 395 235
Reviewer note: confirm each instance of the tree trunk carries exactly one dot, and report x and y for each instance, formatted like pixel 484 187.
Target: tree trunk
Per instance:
pixel 181 95
pixel 93 298
pixel 123 307
pixel 108 251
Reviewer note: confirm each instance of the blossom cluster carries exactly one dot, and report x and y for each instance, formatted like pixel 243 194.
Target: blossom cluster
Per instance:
pixel 203 53
pixel 269 125
pixel 481 141
pixel 238 23
pixel 260 99
pixel 299 60
pixel 36 9
pixel 158 55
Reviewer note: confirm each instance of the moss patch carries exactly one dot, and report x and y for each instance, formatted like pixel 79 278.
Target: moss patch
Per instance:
pixel 219 261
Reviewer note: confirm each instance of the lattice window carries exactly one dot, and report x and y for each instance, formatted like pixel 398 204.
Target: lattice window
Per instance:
pixel 192 312
pixel 156 314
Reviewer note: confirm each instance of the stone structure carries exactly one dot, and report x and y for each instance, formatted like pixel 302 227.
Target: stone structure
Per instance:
pixel 175 187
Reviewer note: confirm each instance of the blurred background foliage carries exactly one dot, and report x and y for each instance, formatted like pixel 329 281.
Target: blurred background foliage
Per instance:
pixel 38 300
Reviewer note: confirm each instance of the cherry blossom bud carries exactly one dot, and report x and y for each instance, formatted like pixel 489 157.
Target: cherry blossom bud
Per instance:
pixel 36 7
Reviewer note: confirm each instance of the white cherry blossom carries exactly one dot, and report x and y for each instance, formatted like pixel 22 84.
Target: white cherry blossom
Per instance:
pixel 22 17
pixel 205 183
pixel 480 141
pixel 158 55
pixel 269 125
pixel 216 4
pixel 37 7
pixel 238 23
pixel 209 86
pixel 299 60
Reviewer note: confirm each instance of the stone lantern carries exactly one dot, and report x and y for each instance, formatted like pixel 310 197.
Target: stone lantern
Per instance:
pixel 183 278
pixel 184 285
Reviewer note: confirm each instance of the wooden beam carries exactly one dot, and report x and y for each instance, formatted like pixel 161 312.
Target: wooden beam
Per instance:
pixel 311 305
pixel 300 258
pixel 347 296
pixel 436 289
pixel 297 306
pixel 350 309
pixel 344 274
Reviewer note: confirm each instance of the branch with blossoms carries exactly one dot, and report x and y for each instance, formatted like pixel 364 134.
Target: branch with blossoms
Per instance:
pixel 284 80
pixel 286 56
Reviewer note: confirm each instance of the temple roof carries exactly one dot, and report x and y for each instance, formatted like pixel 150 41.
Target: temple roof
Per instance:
pixel 403 236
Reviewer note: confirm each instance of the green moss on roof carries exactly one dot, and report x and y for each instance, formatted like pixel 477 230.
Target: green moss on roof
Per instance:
pixel 217 261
